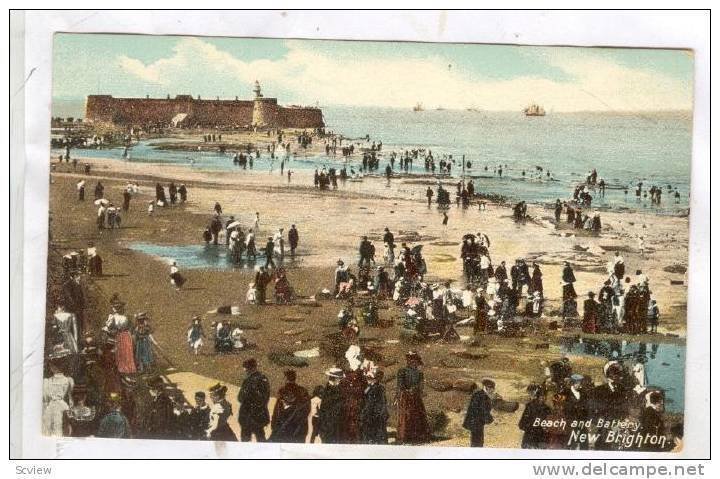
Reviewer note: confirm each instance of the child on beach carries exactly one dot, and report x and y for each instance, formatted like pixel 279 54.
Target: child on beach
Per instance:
pixel 653 314
pixel 151 208
pixel 195 335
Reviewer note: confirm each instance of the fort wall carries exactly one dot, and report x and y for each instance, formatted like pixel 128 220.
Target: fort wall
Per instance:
pixel 143 112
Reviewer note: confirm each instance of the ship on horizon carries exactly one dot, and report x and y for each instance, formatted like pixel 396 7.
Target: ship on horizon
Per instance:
pixel 534 110
pixel 418 107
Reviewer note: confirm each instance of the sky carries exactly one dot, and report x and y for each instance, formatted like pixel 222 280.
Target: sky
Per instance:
pixel 383 74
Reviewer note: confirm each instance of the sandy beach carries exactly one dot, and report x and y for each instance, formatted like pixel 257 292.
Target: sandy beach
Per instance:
pixel 331 224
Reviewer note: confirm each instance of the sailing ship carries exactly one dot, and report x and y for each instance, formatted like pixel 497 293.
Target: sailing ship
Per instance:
pixel 534 110
pixel 418 107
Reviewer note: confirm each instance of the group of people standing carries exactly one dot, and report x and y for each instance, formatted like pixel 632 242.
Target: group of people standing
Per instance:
pixel 622 305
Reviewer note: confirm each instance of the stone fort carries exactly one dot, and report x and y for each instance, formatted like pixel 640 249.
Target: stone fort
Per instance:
pixel 184 111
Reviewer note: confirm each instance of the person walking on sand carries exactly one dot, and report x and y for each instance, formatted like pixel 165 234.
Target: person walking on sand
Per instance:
pixel 429 194
pixel 256 223
pixel 479 412
pixel 253 397
pixel 445 218
pixel 126 200
pixel 293 238
pixel 176 279
pixel 269 251
pixel 81 190
pixel 641 246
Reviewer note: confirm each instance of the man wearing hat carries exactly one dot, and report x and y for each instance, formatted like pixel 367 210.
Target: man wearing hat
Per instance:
pixel 413 427
pixel 114 424
pixel 253 397
pixel 290 414
pixel 331 407
pixel 609 401
pixel 576 407
pixel 590 314
pixel 478 412
pixel 365 251
pixel 341 275
pixel 374 414
pixel 159 421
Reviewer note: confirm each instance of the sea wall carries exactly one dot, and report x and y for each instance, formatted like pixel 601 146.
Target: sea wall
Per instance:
pixel 143 112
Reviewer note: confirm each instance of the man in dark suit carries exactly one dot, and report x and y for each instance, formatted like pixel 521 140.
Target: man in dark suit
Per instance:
pixel 269 251
pixel 501 273
pixel 253 397
pixel 590 314
pixel 159 421
pixel 576 406
pixel 478 413
pixel 293 239
pixel 609 402
pixel 515 274
pixel 388 237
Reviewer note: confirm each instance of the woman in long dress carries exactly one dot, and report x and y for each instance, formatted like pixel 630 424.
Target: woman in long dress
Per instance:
pixel 65 325
pixel 118 325
pixel 220 412
pixel 144 358
pixel 412 427
pixel 57 399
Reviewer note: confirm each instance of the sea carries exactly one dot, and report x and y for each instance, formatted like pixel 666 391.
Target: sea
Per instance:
pixel 624 148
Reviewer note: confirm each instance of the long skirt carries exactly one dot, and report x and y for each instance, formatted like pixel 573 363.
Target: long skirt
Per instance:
pixel 52 418
pixel 177 280
pixel 124 353
pixel 412 426
pixel 223 433
pixel 143 353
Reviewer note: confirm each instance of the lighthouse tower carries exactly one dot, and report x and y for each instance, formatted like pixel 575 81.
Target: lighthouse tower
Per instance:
pixel 265 110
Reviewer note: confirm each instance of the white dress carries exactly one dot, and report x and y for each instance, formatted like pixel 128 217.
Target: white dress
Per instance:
pixel 67 326
pixel 57 398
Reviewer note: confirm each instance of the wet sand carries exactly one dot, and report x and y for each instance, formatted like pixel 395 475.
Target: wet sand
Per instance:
pixel 330 225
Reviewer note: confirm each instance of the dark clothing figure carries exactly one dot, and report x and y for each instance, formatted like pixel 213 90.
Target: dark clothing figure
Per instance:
pixel 534 436
pixel 330 415
pixel 568 277
pixel 99 191
pixel 536 283
pixel 160 419
pixel 608 403
pixel 290 415
pixel 126 200
pixel 374 415
pixel 481 314
pixel 352 391
pixel 477 416
pixel 576 409
pixel 253 415
pixel 652 424
pixel 223 432
pixel 172 189
pixel 501 274
pixel 198 421
pixel 269 250
pixel 590 316
pixel 293 239
pixel 412 427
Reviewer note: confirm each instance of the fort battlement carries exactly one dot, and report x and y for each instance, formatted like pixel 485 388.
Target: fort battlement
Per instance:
pixel 184 111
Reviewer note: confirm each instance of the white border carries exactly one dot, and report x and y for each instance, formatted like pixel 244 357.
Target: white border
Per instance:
pixel 647 29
